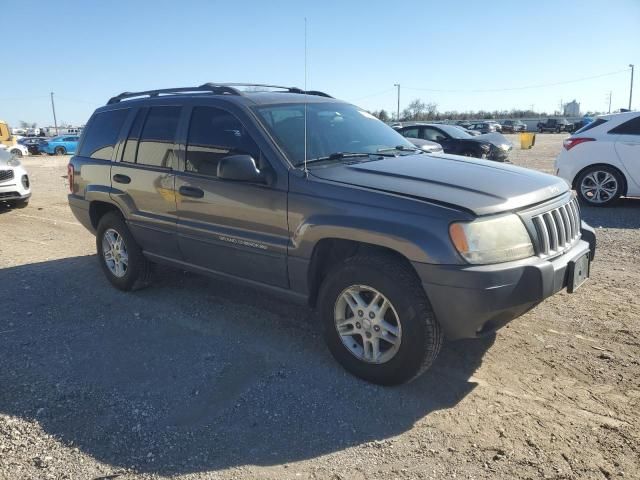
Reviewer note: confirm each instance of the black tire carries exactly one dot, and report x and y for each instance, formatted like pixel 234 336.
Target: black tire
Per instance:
pixel 613 198
pixel 16 153
pixel 138 270
pixel 60 151
pixel 421 337
pixel 18 203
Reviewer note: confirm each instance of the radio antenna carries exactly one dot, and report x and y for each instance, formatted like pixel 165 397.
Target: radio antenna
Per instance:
pixel 306 172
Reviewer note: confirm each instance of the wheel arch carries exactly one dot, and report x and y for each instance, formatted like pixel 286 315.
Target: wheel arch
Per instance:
pixel 328 252
pixel 98 209
pixel 625 181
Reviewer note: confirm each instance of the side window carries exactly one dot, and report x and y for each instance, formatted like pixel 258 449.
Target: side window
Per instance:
pixel 102 134
pixel 410 132
pixel 213 135
pixel 433 134
pixel 131 145
pixel 157 141
pixel 630 127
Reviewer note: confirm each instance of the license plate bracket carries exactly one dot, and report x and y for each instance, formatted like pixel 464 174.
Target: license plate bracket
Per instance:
pixel 579 270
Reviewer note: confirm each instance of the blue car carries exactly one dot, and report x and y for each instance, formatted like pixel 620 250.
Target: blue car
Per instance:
pixel 61 145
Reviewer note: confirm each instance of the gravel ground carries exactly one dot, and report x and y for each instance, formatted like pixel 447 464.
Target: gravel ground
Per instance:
pixel 196 378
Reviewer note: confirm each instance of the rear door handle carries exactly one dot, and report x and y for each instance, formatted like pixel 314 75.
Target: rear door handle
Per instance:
pixel 118 178
pixel 191 192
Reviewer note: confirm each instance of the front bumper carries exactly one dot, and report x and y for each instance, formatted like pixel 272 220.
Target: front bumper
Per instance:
pixel 475 300
pixel 14 189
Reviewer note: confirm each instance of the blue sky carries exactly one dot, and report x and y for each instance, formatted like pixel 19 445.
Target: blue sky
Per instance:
pixel 449 53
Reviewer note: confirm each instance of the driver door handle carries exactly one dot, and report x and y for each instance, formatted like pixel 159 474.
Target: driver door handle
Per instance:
pixel 191 192
pixel 119 178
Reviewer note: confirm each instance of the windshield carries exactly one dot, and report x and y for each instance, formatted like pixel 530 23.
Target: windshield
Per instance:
pixel 331 128
pixel 455 131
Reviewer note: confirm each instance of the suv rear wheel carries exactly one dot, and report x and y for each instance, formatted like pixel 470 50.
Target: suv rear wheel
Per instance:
pixel 377 321
pixel 120 256
pixel 599 186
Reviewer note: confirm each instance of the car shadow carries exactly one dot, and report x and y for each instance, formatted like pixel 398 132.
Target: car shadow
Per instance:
pixel 624 214
pixel 193 374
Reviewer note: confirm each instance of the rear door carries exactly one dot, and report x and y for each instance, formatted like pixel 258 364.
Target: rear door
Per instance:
pixel 143 179
pixel 628 147
pixel 232 227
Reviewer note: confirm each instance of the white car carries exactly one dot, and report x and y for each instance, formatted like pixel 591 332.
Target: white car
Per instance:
pixel 17 150
pixel 601 161
pixel 15 188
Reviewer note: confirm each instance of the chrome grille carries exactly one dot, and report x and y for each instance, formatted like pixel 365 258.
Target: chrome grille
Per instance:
pixel 6 175
pixel 557 229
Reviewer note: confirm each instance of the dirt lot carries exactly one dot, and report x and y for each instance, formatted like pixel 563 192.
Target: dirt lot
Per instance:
pixel 195 378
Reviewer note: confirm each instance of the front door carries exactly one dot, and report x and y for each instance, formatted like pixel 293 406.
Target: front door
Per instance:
pixel 231 227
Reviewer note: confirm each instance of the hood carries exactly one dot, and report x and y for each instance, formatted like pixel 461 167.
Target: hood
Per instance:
pixel 5 156
pixel 479 186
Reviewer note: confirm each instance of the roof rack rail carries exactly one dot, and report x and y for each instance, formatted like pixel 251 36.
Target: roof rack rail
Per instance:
pixel 218 89
pixel 215 88
pixel 287 89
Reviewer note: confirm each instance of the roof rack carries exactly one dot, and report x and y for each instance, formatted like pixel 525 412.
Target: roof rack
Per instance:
pixel 215 88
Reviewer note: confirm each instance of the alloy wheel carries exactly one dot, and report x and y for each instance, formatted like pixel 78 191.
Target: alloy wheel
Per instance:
pixel 114 252
pixel 368 324
pixel 599 187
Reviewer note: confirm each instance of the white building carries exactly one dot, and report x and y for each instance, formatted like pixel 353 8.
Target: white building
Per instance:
pixel 572 109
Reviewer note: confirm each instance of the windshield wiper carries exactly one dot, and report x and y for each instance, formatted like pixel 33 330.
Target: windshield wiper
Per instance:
pixel 400 148
pixel 344 155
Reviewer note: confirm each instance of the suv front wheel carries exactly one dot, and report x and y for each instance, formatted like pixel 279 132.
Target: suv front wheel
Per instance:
pixel 377 321
pixel 120 256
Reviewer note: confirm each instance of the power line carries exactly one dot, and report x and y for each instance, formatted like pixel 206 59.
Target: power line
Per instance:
pixel 373 94
pixel 541 85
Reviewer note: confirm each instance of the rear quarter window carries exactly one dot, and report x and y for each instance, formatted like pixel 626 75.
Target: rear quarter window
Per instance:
pixel 630 127
pixel 596 123
pixel 102 133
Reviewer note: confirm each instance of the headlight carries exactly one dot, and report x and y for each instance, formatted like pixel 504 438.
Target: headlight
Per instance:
pixel 492 240
pixel 13 162
pixel 485 147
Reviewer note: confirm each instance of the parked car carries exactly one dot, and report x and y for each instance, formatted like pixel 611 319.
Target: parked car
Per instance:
pixel 601 161
pixel 513 126
pixel 456 141
pixel 15 189
pixel 496 124
pixel 428 146
pixel 396 248
pixel 60 145
pixel 483 127
pixel 555 125
pixel 32 144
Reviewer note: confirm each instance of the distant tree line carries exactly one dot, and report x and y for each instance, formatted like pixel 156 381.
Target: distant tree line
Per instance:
pixel 419 110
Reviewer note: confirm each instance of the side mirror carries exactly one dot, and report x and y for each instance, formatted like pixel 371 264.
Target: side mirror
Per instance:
pixel 240 168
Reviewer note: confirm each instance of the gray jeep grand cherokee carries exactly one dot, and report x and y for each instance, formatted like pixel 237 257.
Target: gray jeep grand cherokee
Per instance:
pixel 396 248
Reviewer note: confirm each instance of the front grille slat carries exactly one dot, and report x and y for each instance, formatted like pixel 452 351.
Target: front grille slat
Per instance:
pixel 562 233
pixel 6 175
pixel 557 229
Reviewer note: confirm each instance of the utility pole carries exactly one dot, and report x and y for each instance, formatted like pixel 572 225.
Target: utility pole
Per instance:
pixel 610 93
pixel 631 86
pixel 53 107
pixel 398 111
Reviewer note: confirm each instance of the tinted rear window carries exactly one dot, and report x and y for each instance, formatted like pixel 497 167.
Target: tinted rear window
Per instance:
pixel 596 123
pixel 101 134
pixel 156 145
pixel 630 127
